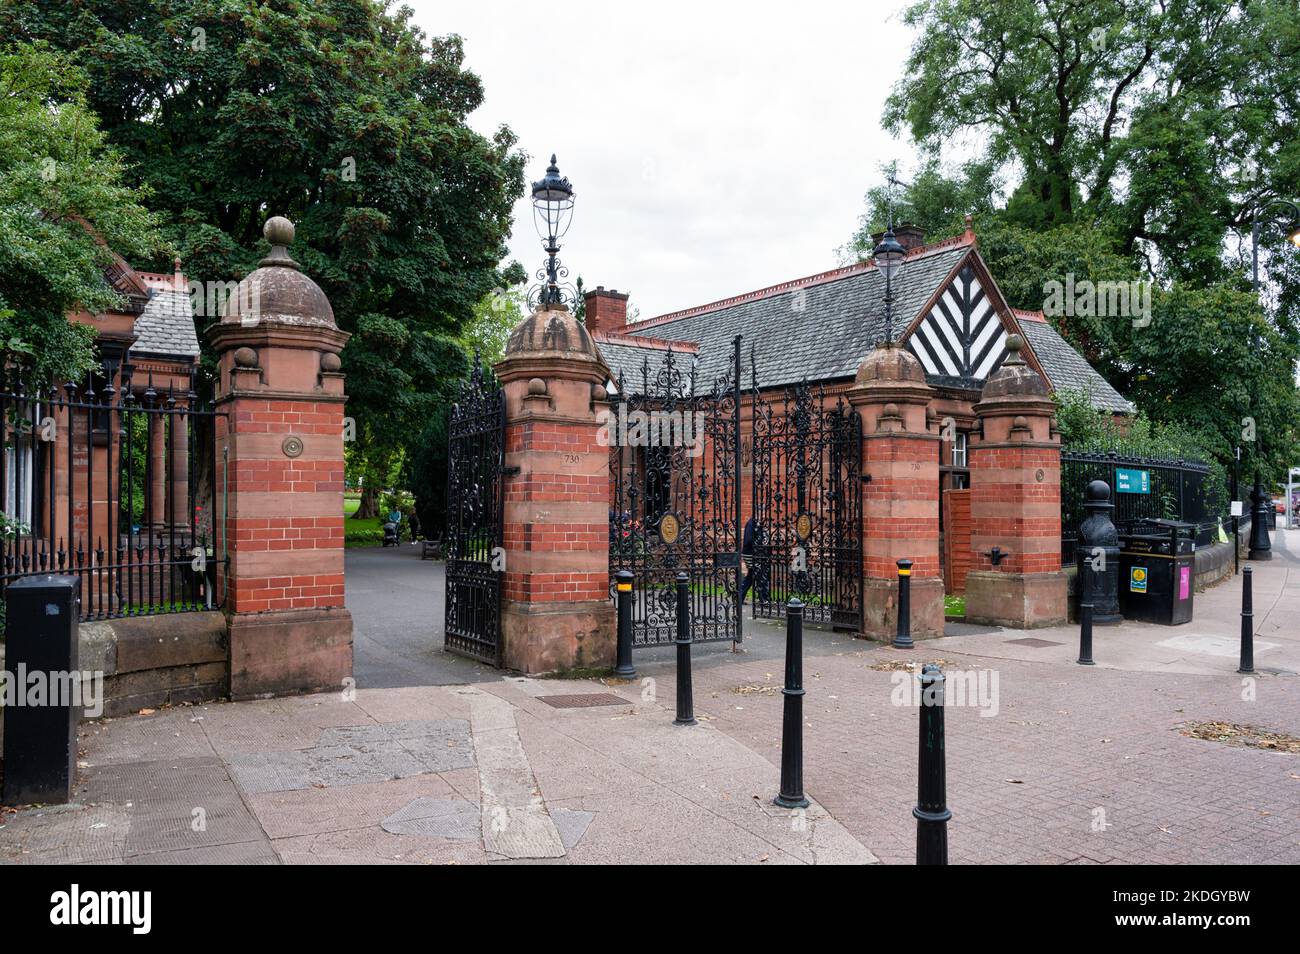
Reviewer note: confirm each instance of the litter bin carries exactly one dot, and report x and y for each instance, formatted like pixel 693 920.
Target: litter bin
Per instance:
pixel 1156 568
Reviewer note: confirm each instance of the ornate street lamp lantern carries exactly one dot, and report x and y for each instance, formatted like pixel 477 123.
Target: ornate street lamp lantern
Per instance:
pixel 552 213
pixel 889 255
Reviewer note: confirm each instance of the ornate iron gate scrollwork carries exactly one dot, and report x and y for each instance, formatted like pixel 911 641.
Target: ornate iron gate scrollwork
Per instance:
pixel 807 507
pixel 674 484
pixel 475 462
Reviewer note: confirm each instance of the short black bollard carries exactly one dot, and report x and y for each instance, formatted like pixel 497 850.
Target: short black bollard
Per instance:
pixel 792 718
pixel 1247 667
pixel 685 693
pixel 623 664
pixel 1086 590
pixel 903 638
pixel 40 743
pixel 931 811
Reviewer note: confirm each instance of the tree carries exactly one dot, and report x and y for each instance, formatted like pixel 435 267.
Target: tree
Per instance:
pixel 340 114
pixel 1123 142
pixel 63 205
pixel 1166 123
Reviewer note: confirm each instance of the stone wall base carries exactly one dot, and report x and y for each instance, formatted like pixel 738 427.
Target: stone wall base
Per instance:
pixel 551 637
pixel 880 608
pixel 1017 600
pixel 289 651
pixel 151 661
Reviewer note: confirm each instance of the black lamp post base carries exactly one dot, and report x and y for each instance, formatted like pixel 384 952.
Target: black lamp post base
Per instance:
pixel 784 802
pixel 1259 555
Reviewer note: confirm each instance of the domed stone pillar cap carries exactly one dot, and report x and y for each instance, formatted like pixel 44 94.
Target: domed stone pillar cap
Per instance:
pixel 550 337
pixel 278 292
pixel 1015 379
pixel 891 364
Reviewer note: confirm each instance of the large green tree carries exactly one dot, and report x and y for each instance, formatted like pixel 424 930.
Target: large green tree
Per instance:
pixel 1115 142
pixel 64 203
pixel 340 114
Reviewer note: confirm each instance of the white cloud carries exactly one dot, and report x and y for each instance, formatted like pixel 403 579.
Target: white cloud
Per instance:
pixel 715 148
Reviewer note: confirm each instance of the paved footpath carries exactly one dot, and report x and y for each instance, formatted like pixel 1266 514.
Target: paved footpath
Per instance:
pixel 1055 763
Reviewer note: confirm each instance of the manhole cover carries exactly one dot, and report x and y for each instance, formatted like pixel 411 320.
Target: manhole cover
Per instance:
pixel 1033 641
pixel 584 700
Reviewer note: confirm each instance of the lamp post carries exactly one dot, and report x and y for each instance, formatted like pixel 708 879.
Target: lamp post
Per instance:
pixel 553 197
pixel 889 255
pixel 1293 233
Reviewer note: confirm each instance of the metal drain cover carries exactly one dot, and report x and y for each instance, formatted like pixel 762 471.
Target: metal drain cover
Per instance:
pixel 584 700
pixel 1033 641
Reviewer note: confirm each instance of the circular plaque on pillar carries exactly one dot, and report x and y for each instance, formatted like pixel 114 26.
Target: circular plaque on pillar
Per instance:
pixel 292 446
pixel 669 528
pixel 803 527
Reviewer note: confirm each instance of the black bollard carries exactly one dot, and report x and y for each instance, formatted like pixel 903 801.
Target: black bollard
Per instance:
pixel 931 811
pixel 685 693
pixel 623 664
pixel 792 718
pixel 903 638
pixel 1086 589
pixel 1247 667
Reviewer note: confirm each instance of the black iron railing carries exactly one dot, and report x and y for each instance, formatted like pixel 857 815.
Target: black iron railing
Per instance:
pixel 1171 490
pixel 114 483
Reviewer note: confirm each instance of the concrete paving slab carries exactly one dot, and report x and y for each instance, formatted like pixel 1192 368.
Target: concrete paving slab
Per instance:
pixel 163 734
pixel 376 846
pixel 71 834
pixel 312 811
pixel 454 819
pixel 171 806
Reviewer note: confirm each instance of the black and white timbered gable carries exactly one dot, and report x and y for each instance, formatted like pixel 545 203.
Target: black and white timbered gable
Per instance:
pixel 962 340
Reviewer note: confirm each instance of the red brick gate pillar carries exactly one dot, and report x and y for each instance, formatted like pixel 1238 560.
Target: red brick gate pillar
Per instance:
pixel 900 502
pixel 1015 476
pixel 281 444
pixel 556 611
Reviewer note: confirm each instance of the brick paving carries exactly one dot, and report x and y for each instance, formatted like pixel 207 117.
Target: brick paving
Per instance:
pixel 1024 785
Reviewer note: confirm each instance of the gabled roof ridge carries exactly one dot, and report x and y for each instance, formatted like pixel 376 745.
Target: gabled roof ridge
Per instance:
pixel 644 341
pixel 834 274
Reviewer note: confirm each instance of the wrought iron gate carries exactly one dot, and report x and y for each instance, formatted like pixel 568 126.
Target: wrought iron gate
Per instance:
pixel 807 507
pixel 475 465
pixel 675 497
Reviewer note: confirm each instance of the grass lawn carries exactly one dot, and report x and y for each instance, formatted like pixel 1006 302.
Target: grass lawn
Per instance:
pixel 351 505
pixel 954 604
pixel 362 533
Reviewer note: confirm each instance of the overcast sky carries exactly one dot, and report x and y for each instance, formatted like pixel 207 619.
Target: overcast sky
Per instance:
pixel 715 148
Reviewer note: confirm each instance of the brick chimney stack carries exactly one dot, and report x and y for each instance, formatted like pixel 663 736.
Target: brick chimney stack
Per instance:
pixel 606 310
pixel 908 236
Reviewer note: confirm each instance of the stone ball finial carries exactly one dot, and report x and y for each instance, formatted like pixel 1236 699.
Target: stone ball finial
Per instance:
pixel 891 410
pixel 245 358
pixel 278 230
pixel 330 362
pixel 536 386
pixel 1020 423
pixel 1098 492
pixel 1014 344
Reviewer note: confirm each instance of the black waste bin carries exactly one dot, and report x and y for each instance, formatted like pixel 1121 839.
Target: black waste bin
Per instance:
pixel 1156 571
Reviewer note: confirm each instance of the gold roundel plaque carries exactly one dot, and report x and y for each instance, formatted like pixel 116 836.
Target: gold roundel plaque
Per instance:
pixel 803 526
pixel 669 528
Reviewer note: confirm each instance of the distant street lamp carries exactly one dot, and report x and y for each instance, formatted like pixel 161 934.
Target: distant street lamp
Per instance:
pixel 552 213
pixel 1293 233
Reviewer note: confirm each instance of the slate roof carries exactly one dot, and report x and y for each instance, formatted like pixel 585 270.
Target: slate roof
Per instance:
pixel 817 331
pixel 166 326
pixel 624 357
pixel 1066 368
pixel 820 328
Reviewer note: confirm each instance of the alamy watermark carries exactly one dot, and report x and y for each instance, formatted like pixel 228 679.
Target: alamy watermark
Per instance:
pixel 1107 299
pixel 40 687
pixel 968 688
pixel 656 428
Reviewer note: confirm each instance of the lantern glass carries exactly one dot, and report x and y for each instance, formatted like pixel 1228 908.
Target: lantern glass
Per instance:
pixel 889 255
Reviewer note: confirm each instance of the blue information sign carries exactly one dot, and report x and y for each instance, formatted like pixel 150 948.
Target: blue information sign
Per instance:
pixel 1129 481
